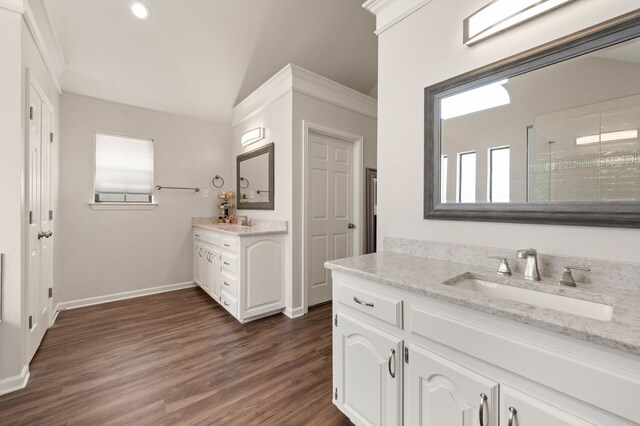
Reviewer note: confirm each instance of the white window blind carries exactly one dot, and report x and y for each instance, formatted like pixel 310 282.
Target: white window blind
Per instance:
pixel 124 165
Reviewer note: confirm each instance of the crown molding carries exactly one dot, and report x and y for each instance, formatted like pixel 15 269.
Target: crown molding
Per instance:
pixel 293 78
pixel 12 5
pixel 390 12
pixel 45 38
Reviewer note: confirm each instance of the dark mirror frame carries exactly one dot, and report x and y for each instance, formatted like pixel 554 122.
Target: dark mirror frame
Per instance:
pixel 610 214
pixel 269 205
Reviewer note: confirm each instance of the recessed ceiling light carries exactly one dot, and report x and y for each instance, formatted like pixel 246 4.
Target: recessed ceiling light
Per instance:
pixel 140 11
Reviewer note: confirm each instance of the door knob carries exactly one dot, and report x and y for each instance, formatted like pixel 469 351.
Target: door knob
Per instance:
pixel 48 234
pixel 351 226
pixel 41 235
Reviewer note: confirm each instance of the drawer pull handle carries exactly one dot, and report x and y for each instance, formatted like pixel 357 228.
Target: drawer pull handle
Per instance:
pixel 200 252
pixel 197 235
pixel 226 245
pixel 227 284
pixel 360 302
pixel 390 362
pixel 225 303
pixel 483 402
pixel 512 415
pixel 226 263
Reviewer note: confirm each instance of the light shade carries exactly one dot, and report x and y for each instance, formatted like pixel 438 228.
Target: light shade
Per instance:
pixel 500 15
pixel 607 137
pixel 252 136
pixel 140 11
pixel 474 100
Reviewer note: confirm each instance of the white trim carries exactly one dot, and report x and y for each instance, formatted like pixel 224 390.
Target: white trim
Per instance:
pixel 15 383
pixel 294 313
pixel 90 301
pixel 54 61
pixel 123 206
pixel 12 5
pixel 358 193
pixel 294 78
pixel 390 12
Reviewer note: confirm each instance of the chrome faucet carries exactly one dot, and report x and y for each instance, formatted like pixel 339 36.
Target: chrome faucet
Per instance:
pixel 531 270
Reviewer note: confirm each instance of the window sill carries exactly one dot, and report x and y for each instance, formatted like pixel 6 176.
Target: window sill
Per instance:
pixel 123 206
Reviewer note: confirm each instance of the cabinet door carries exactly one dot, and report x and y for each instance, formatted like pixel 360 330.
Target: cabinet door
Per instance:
pixel 214 274
pixel 441 392
pixel 367 373
pixel 197 263
pixel 531 411
pixel 207 268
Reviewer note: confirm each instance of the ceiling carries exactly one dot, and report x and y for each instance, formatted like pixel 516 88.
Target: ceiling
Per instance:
pixel 199 58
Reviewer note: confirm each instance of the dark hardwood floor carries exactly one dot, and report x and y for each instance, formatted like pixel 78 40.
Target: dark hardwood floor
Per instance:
pixel 178 358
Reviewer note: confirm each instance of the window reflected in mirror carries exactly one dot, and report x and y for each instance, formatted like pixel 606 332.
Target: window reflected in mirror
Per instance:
pixel 567 132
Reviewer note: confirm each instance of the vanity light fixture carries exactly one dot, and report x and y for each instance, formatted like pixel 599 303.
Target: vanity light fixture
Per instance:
pixel 500 15
pixel 140 11
pixel 607 137
pixel 252 136
pixel 474 100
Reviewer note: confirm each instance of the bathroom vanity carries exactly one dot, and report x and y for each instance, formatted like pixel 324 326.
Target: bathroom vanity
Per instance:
pixel 241 267
pixel 419 341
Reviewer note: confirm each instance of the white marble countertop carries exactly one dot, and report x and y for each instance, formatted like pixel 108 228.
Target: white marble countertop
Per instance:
pixel 260 227
pixel 427 276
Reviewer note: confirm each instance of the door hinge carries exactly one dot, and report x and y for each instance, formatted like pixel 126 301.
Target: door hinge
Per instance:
pixel 336 320
pixel 30 113
pixel 406 355
pixel 30 217
pixel 30 322
pixel 50 292
pixel 51 137
pixel 50 214
pixel 335 395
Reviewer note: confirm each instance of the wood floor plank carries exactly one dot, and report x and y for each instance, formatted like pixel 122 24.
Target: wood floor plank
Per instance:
pixel 178 358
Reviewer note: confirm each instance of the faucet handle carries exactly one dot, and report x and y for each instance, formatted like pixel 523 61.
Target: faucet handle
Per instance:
pixel 567 276
pixel 522 254
pixel 504 268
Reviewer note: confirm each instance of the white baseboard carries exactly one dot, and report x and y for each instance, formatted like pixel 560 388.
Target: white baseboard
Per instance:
pixel 73 304
pixel 293 313
pixel 14 383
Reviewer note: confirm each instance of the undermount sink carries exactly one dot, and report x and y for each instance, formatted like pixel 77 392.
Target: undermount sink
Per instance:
pixel 557 302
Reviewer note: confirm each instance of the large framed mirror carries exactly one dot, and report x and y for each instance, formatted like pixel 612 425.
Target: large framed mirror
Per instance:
pixel 254 179
pixel 548 136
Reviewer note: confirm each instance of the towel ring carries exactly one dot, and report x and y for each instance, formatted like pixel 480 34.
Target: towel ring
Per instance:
pixel 244 180
pixel 217 178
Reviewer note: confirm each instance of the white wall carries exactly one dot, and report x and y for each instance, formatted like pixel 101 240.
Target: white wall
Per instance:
pixel 19 52
pixel 425 48
pixel 276 120
pixel 283 122
pixel 12 333
pixel 315 111
pixel 107 252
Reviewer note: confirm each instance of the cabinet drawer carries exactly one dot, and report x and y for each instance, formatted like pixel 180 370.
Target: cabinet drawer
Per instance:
pixel 229 283
pixel 229 303
pixel 381 306
pixel 228 244
pixel 230 263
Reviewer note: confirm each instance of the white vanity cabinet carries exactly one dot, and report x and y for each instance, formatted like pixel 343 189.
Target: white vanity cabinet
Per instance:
pixel 441 392
pixel 244 274
pixel 455 366
pixel 368 380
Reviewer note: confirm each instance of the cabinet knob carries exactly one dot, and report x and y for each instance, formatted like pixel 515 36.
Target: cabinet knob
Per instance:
pixel 392 362
pixel 481 410
pixel 512 415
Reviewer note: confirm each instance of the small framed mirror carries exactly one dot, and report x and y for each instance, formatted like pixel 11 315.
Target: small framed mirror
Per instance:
pixel 255 179
pixel 548 136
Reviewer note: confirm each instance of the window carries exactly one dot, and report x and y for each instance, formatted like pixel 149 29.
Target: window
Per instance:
pixel 467 177
pixel 124 169
pixel 499 177
pixel 443 179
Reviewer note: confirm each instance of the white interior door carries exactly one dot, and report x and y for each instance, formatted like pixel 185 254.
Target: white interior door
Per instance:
pixel 39 203
pixel 330 210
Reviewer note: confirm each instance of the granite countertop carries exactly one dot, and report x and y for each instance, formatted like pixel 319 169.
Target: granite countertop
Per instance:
pixel 239 230
pixel 427 277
